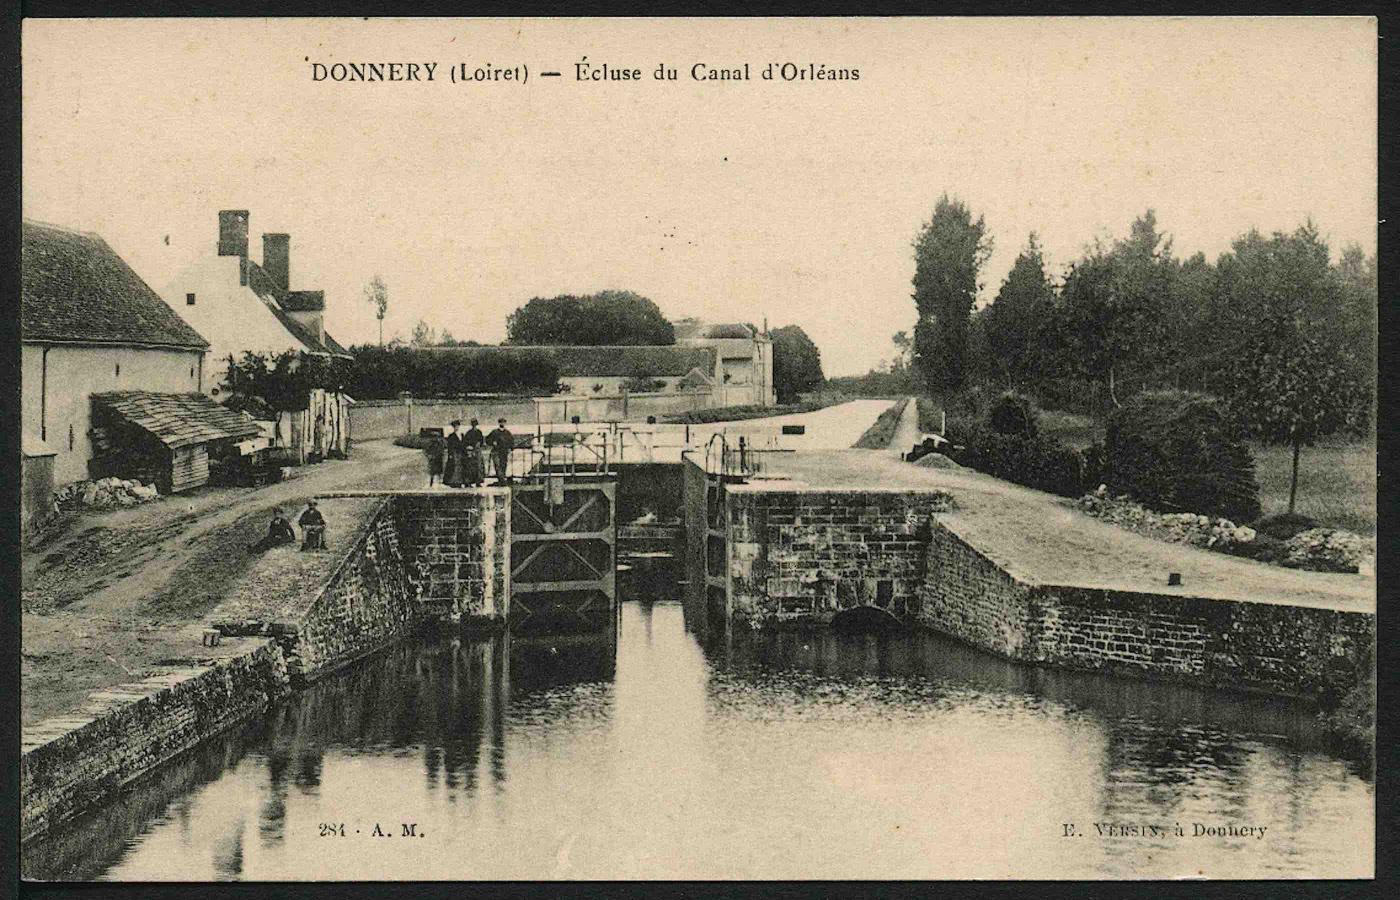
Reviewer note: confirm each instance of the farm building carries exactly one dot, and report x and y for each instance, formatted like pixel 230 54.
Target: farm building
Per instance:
pixel 90 324
pixel 163 439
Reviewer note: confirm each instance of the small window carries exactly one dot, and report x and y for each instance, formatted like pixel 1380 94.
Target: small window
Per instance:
pixel 119 370
pixel 191 371
pixel 189 299
pixel 70 437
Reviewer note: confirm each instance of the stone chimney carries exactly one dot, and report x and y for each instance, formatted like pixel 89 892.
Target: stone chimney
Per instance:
pixel 307 309
pixel 277 258
pixel 233 232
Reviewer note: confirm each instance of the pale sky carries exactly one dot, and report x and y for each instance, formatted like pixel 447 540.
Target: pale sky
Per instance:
pixel 731 201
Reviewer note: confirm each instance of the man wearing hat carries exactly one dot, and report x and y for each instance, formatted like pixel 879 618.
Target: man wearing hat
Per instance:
pixel 454 472
pixel 501 442
pixel 313 527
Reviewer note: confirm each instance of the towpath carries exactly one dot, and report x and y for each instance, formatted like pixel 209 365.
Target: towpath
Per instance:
pixel 1042 538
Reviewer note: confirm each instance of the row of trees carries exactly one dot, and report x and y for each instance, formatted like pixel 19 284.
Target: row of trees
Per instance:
pixel 606 318
pixel 1273 327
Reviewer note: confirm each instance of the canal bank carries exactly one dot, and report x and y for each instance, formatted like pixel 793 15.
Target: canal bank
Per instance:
pixel 783 753
pixel 757 553
pixel 788 552
pixel 395 561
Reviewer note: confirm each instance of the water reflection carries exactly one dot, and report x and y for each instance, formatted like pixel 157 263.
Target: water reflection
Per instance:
pixel 640 753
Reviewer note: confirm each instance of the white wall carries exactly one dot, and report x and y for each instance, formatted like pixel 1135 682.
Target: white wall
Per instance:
pixel 582 385
pixel 232 318
pixel 74 374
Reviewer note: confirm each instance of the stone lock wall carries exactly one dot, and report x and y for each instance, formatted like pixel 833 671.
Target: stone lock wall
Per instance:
pixel 73 762
pixel 457 549
pixel 370 599
pixel 1277 648
pixel 803 556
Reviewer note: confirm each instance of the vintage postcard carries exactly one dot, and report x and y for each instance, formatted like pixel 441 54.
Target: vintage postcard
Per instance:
pixel 854 448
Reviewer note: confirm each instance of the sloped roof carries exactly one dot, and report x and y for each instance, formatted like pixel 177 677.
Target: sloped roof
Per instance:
pixel 177 420
pixel 619 361
pixel 729 330
pixel 281 301
pixel 696 378
pixel 74 287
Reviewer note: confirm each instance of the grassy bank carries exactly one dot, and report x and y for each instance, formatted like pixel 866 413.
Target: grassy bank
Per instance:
pixel 740 413
pixel 879 435
pixel 1336 483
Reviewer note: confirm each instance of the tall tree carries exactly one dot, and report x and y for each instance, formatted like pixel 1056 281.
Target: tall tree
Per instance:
pixel 1016 318
pixel 606 318
pixel 949 252
pixel 1295 377
pixel 797 363
pixel 377 295
pixel 1112 304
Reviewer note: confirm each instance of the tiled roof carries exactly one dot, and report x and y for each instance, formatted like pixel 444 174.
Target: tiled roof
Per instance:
pixel 263 285
pixel 729 330
pixel 178 420
pixel 621 361
pixel 74 287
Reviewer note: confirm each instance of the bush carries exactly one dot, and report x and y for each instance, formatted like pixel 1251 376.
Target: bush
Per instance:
pixel 1176 450
pixel 1284 525
pixel 1012 414
pixel 1037 462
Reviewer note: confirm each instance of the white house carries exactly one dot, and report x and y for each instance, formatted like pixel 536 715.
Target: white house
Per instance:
pixel 745 360
pixel 241 306
pixel 90 325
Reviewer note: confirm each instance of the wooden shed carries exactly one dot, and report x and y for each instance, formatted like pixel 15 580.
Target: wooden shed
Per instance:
pixel 165 439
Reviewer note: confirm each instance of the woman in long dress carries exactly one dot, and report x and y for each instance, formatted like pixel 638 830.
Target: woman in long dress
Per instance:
pixel 454 466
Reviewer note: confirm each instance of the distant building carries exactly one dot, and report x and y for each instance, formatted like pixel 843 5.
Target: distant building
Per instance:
pixel 243 307
pixel 88 325
pixel 745 360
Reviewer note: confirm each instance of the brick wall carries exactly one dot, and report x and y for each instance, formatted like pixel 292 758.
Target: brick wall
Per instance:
pixel 75 761
pixel 1281 649
pixel 457 547
pixel 800 555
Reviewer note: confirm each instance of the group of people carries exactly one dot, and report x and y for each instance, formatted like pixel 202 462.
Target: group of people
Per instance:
pixel 456 458
pixel 281 532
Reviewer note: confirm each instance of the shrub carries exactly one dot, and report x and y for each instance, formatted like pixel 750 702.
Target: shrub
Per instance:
pixel 1038 462
pixel 1012 414
pixel 1176 450
pixel 1284 525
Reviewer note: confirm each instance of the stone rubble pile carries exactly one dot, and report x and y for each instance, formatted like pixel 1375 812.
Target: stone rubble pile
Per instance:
pixel 1328 550
pixel 1317 549
pixel 105 493
pixel 1176 528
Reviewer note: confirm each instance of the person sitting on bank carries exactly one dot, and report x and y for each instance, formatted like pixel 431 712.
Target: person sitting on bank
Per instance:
pixel 313 527
pixel 501 442
pixel 279 533
pixel 472 443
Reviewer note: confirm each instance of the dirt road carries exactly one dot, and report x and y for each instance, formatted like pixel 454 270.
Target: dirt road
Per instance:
pixel 118 594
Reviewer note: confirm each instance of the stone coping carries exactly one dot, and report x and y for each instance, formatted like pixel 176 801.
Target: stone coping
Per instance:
pixel 104 702
pixel 783 486
pixel 416 492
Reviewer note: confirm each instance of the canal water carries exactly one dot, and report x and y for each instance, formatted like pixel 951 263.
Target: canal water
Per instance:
pixel 641 753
